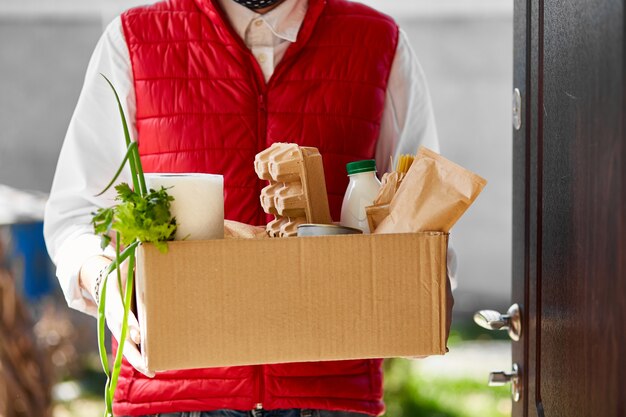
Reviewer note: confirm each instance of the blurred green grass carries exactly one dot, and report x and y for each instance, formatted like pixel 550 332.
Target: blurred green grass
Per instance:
pixel 409 394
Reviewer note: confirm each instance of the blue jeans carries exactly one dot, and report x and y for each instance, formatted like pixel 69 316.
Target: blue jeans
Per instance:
pixel 263 413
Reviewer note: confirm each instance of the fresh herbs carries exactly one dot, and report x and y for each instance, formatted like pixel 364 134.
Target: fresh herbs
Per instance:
pixel 141 215
pixel 137 218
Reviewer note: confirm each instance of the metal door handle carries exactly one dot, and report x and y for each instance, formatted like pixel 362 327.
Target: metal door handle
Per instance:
pixel 497 379
pixel 492 320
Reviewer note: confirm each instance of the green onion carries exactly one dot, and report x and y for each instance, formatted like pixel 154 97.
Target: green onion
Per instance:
pixel 141 216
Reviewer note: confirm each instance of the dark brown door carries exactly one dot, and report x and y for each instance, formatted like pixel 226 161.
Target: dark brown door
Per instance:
pixel 569 227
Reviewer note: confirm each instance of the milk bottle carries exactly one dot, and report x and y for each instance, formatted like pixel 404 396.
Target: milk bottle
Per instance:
pixel 362 190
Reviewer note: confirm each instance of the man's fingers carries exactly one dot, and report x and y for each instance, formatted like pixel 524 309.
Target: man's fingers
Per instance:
pixel 135 336
pixel 115 312
pixel 450 305
pixel 114 323
pixel 132 355
pixel 114 318
pixel 133 328
pixel 452 266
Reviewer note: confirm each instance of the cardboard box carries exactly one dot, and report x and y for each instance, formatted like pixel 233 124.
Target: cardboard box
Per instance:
pixel 239 302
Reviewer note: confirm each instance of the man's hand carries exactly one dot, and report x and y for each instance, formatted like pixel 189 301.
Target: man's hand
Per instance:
pixel 114 308
pixel 114 313
pixel 451 283
pixel 449 305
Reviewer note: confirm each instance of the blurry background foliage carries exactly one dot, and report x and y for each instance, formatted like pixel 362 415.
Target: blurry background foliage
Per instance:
pixel 409 394
pixel 413 389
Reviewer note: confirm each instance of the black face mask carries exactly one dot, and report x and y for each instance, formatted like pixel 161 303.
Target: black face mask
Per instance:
pixel 256 4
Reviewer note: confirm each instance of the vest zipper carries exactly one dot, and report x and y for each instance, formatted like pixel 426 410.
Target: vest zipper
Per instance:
pixel 261 142
pixel 258 403
pixel 262 121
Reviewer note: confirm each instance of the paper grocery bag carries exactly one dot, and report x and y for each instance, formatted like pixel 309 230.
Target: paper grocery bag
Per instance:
pixel 376 214
pixel 433 195
pixel 237 230
pixel 378 211
pixel 390 183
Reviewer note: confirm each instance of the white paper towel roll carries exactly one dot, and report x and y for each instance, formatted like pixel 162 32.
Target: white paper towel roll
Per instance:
pixel 198 203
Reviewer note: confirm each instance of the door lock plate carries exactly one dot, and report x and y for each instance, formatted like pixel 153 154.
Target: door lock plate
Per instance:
pixel 514 377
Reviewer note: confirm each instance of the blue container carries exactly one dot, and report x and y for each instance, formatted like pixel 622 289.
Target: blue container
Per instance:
pixel 29 245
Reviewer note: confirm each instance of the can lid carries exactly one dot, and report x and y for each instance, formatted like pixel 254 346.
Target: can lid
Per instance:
pixel 368 165
pixel 309 229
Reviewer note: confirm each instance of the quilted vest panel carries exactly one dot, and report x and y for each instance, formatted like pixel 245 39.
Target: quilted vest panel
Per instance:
pixel 203 106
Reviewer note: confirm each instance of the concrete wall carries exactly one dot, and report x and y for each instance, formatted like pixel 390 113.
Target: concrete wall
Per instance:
pixel 464 47
pixel 469 66
pixel 42 63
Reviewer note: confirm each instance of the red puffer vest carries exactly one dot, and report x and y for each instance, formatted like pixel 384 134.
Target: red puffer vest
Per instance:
pixel 203 106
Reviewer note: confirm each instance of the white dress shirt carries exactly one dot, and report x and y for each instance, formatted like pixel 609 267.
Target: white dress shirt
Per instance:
pixel 94 145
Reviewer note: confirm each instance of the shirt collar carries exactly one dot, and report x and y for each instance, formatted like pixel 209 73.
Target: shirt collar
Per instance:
pixel 284 21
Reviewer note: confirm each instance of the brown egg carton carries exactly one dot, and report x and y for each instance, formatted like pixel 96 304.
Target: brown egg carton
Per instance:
pixel 296 193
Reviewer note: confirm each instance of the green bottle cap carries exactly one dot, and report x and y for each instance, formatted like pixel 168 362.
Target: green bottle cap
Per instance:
pixel 368 165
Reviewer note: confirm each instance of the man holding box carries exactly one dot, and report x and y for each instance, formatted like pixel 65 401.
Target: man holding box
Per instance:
pixel 207 84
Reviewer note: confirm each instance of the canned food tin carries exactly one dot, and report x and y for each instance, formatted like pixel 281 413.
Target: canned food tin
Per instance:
pixel 326 230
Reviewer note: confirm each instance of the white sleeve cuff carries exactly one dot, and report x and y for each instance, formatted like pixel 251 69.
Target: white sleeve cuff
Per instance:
pixel 69 260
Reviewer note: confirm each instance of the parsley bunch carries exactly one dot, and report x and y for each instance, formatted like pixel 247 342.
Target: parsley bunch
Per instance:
pixel 137 218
